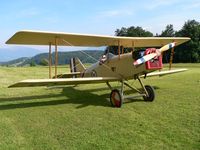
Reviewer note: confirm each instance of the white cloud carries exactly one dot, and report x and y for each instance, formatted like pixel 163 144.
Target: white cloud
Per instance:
pixel 153 4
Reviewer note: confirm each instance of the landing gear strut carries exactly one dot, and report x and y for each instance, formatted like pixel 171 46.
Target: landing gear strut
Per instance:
pixel 117 96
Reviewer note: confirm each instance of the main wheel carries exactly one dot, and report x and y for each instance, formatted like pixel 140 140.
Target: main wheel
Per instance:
pixel 151 93
pixel 115 98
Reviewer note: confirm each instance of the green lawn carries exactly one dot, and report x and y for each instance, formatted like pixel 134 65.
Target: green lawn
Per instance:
pixel 82 118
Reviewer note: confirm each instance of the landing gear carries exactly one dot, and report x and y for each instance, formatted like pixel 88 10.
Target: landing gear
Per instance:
pixel 151 93
pixel 117 96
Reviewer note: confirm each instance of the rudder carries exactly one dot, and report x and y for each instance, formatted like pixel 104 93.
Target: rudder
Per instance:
pixel 76 65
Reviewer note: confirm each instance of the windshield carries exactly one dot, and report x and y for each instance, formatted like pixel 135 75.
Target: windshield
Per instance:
pixel 110 55
pixel 114 50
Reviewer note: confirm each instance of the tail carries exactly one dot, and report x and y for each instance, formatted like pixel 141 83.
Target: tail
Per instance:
pixel 76 65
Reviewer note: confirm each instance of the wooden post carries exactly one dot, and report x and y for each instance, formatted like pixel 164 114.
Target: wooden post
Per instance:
pixel 118 49
pixel 50 61
pixel 56 56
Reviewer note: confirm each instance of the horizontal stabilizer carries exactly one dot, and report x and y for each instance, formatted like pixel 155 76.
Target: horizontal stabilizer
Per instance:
pixel 68 81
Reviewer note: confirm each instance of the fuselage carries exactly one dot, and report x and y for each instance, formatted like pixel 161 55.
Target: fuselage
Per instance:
pixel 117 66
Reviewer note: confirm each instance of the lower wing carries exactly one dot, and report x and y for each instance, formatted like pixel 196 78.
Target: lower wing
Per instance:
pixel 64 81
pixel 74 81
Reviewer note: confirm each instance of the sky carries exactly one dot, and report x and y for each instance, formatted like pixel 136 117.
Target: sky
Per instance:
pixel 93 17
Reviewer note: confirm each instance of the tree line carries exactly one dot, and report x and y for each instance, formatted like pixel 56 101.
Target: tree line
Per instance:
pixel 186 53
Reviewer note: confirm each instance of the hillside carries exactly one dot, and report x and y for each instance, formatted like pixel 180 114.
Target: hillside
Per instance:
pixel 88 56
pixel 16 62
pixel 14 52
pixel 64 57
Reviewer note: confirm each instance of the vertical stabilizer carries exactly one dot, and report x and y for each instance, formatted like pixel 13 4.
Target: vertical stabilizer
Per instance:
pixel 76 65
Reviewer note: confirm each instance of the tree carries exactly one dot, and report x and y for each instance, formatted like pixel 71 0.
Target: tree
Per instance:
pixel 133 32
pixel 121 32
pixel 190 51
pixel 44 62
pixel 32 63
pixel 168 32
pixel 130 32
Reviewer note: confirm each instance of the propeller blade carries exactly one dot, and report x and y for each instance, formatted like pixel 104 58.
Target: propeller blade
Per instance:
pixel 167 47
pixel 152 55
pixel 144 59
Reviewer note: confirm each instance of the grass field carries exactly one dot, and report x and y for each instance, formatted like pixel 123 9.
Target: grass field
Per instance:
pixel 82 118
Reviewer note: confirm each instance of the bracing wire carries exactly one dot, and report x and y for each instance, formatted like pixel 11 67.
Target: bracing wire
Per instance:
pixel 106 66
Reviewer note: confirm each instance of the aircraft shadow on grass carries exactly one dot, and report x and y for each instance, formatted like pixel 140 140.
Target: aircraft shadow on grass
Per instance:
pixel 83 98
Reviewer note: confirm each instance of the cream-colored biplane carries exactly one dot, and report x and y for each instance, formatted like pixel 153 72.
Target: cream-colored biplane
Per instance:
pixel 109 68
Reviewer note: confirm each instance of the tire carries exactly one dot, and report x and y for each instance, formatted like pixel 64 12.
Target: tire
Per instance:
pixel 116 98
pixel 151 93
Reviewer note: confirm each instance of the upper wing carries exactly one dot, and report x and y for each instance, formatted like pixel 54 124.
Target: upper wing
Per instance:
pixel 70 39
pixel 68 81
pixel 162 73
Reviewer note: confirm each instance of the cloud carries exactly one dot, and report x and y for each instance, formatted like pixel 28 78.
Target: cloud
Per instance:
pixel 159 3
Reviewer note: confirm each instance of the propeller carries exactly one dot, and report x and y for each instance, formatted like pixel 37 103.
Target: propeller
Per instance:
pixel 152 55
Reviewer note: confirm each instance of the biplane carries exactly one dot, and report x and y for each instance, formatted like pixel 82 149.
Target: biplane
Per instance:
pixel 123 66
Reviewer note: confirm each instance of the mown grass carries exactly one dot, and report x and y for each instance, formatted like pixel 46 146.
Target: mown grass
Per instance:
pixel 81 117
